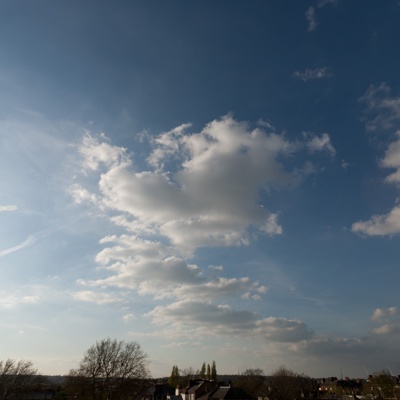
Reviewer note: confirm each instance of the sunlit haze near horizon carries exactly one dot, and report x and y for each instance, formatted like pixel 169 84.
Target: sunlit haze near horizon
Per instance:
pixel 216 180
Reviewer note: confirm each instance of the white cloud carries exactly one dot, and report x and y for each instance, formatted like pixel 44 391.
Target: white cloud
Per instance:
pixel 128 317
pixel 344 164
pixel 11 301
pixel 212 198
pixel 166 145
pixel 95 297
pixel 387 317
pixel 8 208
pixel 382 110
pixel 387 329
pixel 271 226
pixel 379 225
pixel 81 195
pixel 30 299
pixel 199 318
pixel 216 267
pixel 146 266
pixel 310 74
pixel 380 313
pixel 215 288
pixel 383 113
pixel 311 15
pixel 282 329
pixel 202 189
pixel 96 153
pixel 178 344
pixel 335 346
pixel 311 18
pixel 392 160
pixel 319 143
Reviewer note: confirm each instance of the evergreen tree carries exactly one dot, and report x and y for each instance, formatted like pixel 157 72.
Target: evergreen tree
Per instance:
pixel 173 380
pixel 214 371
pixel 208 375
pixel 202 373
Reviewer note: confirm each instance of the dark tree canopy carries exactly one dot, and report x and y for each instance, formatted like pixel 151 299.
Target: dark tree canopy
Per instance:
pixel 380 384
pixel 252 381
pixel 284 384
pixel 108 369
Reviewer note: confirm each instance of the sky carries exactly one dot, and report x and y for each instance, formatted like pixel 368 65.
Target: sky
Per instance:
pixel 216 180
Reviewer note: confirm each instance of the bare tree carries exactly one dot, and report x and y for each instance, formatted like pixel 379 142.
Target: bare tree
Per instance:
pixel 186 375
pixel 109 369
pixel 16 378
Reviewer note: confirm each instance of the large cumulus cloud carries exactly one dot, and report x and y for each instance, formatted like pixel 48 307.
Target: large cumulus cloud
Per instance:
pixel 199 189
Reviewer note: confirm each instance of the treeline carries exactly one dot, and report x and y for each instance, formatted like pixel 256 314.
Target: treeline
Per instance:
pixel 181 377
pixel 109 370
pixel 118 370
pixel 282 384
pixel 17 378
pixel 285 384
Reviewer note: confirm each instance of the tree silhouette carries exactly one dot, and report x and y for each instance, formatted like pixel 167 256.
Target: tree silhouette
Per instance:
pixel 202 373
pixel 214 371
pixel 16 378
pixel 174 379
pixel 108 369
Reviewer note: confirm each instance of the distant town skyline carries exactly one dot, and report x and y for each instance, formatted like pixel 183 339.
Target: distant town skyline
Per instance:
pixel 216 180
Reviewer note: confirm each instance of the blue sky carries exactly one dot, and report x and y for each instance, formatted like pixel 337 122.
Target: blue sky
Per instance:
pixel 217 180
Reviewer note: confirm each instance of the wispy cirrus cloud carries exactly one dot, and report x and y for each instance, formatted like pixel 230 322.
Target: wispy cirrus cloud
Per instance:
pixel 26 243
pixel 8 208
pixel 31 239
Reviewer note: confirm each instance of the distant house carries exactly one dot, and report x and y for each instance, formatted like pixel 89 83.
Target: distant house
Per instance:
pixel 210 390
pixel 163 392
pixel 230 393
pixel 41 394
pixel 201 389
